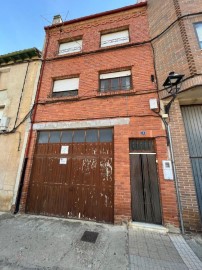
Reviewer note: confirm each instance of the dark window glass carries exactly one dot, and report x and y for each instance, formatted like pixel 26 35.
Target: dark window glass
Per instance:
pixel 104 85
pixel 65 93
pixel 92 135
pixel 43 136
pixel 198 27
pixel 141 145
pixel 79 136
pixel 125 83
pixel 66 136
pixel 55 136
pixel 105 135
pixel 114 84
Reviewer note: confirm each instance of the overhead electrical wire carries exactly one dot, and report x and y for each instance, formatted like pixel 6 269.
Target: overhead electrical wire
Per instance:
pixel 101 50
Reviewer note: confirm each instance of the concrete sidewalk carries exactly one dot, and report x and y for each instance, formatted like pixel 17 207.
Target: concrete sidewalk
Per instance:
pixel 30 242
pixel 153 250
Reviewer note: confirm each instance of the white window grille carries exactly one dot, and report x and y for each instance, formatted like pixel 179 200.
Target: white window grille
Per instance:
pixel 70 47
pixel 114 38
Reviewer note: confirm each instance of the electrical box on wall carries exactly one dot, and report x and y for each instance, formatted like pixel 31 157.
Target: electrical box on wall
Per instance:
pixel 153 104
pixel 4 123
pixel 167 170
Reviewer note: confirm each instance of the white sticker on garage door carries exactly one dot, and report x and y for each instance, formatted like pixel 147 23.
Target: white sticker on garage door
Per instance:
pixel 64 149
pixel 63 160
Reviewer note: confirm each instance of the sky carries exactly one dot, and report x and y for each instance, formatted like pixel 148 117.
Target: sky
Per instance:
pixel 22 21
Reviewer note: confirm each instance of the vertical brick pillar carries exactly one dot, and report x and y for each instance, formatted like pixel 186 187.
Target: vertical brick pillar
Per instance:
pixel 191 216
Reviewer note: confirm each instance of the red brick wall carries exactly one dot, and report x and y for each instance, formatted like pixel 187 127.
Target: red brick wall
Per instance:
pixel 178 50
pixel 136 106
pixel 184 171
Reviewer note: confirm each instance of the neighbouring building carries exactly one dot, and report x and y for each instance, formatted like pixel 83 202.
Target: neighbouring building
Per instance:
pixel 176 29
pixel 96 147
pixel 19 73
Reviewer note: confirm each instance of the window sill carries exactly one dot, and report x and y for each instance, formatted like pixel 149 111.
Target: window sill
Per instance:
pixel 115 93
pixel 55 99
pixel 68 54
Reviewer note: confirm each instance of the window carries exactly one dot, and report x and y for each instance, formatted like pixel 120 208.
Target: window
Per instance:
pixel 1 113
pixel 115 81
pixel 198 27
pixel 76 136
pixel 66 87
pixel 4 79
pixel 70 47
pixel 114 38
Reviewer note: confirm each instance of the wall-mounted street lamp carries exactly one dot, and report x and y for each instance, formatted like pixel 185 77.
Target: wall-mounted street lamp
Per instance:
pixel 172 85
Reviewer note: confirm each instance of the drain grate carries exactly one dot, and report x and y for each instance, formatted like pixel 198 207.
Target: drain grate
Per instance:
pixel 90 237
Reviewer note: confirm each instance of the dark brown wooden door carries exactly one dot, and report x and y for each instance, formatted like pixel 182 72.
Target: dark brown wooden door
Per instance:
pixel 72 175
pixel 144 187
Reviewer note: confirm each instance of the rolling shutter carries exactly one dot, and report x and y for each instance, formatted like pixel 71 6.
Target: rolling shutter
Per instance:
pixel 66 85
pixel 115 74
pixel 114 38
pixel 70 47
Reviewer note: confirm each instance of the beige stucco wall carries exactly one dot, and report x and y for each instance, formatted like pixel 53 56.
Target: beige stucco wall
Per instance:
pixel 20 89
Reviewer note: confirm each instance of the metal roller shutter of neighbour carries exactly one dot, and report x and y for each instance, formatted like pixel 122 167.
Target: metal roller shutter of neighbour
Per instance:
pixel 72 175
pixel 192 116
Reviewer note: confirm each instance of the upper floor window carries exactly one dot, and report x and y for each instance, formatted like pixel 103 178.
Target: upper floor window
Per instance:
pixel 4 79
pixel 114 38
pixel 70 47
pixel 198 27
pixel 115 81
pixel 66 87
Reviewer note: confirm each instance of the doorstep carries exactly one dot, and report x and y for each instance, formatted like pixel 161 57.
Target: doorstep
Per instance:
pixel 148 227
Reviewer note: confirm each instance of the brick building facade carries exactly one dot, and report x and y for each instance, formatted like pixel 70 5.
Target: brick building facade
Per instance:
pixel 177 47
pixel 107 74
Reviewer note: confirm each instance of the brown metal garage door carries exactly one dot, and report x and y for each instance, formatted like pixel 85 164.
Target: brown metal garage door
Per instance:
pixel 72 175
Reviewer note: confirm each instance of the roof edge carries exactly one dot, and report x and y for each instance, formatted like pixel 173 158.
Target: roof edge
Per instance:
pixel 141 4
pixel 20 56
pixel 34 50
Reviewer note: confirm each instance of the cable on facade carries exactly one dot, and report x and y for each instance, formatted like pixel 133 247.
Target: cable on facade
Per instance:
pixel 128 45
pixel 23 120
pixel 108 96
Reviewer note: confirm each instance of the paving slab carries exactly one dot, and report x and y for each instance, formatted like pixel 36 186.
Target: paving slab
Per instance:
pixel 195 243
pixel 186 253
pixel 41 243
pixel 29 242
pixel 153 250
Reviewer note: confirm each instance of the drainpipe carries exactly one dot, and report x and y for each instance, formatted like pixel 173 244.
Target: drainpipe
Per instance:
pixel 176 179
pixel 18 199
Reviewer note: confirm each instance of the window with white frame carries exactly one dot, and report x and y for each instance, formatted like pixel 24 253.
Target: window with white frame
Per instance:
pixel 198 27
pixel 70 47
pixel 114 38
pixel 115 81
pixel 66 87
